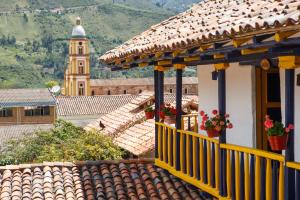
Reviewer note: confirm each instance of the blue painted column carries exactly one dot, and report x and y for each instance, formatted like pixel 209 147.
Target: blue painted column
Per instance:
pixel 156 98
pixel 222 138
pixel 179 70
pixel 161 86
pixel 289 119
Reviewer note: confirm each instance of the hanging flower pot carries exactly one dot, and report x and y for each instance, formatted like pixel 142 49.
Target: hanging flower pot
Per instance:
pixel 278 143
pixel 277 133
pixel 149 114
pixel 212 133
pixel 170 119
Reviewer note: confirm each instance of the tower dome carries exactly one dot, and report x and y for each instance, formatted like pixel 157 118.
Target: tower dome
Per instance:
pixel 78 30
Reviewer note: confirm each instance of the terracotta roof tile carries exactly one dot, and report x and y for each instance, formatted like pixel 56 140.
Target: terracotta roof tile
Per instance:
pixel 207 21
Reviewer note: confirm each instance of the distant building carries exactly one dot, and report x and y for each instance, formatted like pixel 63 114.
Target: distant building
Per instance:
pixel 27 106
pixel 77 75
pixel 138 85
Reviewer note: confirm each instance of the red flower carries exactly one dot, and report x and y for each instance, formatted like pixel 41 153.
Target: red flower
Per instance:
pixel 291 126
pixel 202 127
pixel 162 115
pixel 204 118
pixel 214 112
pixel 227 116
pixel 222 123
pixel 268 124
pixel 287 130
pixel 230 126
pixel 202 113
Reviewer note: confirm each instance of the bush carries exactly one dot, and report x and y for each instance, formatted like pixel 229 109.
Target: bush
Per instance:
pixel 64 142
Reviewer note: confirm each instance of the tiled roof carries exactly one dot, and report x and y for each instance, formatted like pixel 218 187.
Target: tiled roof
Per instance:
pixel 123 117
pixel 209 21
pixel 140 81
pixel 128 179
pixel 128 127
pixel 17 131
pixel 26 97
pixel 91 105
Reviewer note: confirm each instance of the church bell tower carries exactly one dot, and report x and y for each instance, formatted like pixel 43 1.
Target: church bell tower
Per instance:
pixel 77 74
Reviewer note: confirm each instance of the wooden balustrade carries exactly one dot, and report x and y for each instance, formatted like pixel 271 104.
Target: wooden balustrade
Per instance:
pixel 251 174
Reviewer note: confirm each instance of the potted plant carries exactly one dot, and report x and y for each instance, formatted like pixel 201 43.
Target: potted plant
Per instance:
pixel 149 112
pixel 215 124
pixel 168 113
pixel 277 134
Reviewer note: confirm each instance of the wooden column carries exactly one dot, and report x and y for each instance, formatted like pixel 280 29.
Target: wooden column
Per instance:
pixel 156 98
pixel 289 63
pixel 221 68
pixel 179 70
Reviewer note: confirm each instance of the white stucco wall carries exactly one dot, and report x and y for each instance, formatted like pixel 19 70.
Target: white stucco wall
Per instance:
pixel 297 111
pixel 239 96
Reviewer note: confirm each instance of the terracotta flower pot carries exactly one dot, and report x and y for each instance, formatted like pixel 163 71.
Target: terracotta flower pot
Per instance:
pixel 170 119
pixel 278 143
pixel 212 133
pixel 149 115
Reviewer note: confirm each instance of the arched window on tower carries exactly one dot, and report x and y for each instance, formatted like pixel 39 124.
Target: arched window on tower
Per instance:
pixel 171 91
pixel 185 90
pixel 80 49
pixel 93 93
pixel 81 89
pixel 108 92
pixel 80 67
pixel 125 92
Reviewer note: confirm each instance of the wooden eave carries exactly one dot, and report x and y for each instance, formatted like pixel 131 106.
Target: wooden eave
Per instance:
pixel 232 51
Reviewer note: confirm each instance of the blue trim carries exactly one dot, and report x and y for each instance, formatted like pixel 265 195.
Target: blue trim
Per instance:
pixel 263 179
pixel 156 110
pixel 275 180
pixel 205 161
pixel 297 186
pixel 289 119
pixel 233 175
pixel 179 113
pixel 252 177
pixel 213 165
pixel 242 177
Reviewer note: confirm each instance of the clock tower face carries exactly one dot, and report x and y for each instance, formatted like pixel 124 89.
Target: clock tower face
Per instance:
pixel 77 75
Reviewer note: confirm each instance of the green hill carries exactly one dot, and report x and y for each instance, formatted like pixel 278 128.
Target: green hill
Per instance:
pixel 34 35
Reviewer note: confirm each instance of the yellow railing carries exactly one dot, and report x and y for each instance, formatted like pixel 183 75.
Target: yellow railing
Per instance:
pixel 249 170
pixel 222 170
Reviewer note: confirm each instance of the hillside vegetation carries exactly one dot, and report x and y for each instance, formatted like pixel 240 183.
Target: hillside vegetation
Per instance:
pixel 34 35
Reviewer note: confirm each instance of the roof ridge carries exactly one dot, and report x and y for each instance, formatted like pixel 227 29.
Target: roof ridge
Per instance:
pixel 76 163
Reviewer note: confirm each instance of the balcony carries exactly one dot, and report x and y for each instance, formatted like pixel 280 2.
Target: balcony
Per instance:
pixel 224 171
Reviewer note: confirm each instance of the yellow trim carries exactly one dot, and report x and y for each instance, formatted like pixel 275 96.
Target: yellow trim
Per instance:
pixel 280 36
pixel 164 62
pixel 216 56
pixel 191 59
pixel 217 172
pixel 204 47
pixel 194 156
pixel 201 160
pixel 174 147
pixel 129 59
pixel 126 66
pixel 228 173
pixel 221 66
pixel 289 62
pixel 293 165
pixel 159 139
pixel 237 175
pixel 208 152
pixel 253 51
pixel 143 56
pixel 164 144
pixel 268 180
pixel 169 146
pixel 181 152
pixel 158 54
pixel 179 66
pixel 247 177
pixel 187 155
pixel 143 64
pixel 256 152
pixel 257 178
pixel 178 52
pixel 159 68
pixel 238 42
pixel 281 182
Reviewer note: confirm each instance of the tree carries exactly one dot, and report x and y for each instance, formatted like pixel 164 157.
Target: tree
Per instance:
pixel 51 84
pixel 64 142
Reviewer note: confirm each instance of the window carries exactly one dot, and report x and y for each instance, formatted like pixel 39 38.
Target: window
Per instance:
pixel 185 90
pixel 81 89
pixel 108 92
pixel 93 93
pixel 37 111
pixel 140 91
pixel 171 91
pixel 6 112
pixel 124 91
pixel 80 67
